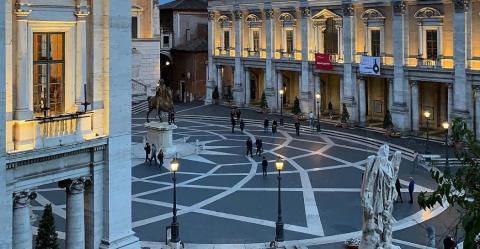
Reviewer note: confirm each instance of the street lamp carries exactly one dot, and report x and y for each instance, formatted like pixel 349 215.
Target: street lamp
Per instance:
pixel 446 125
pixel 281 106
pixel 318 96
pixel 279 224
pixel 174 165
pixel 427 116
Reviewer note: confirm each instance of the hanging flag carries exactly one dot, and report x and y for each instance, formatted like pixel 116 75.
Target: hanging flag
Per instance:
pixel 323 62
pixel 370 65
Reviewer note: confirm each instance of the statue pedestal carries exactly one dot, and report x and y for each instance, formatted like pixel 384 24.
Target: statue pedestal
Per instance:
pixel 160 134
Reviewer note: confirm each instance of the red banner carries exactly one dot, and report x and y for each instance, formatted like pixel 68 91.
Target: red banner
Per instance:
pixel 322 62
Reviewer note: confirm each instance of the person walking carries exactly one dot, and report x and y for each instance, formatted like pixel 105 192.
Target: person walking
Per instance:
pixel 399 193
pixel 258 143
pixel 265 125
pixel 297 127
pixel 249 147
pixel 264 166
pixel 238 113
pixel 160 158
pixel 153 156
pixel 330 110
pixel 242 125
pixel 274 127
pixel 172 117
pixel 232 120
pixel 411 188
pixel 310 118
pixel 147 149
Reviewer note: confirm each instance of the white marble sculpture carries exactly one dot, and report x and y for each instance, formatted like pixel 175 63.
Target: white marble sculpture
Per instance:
pixel 378 195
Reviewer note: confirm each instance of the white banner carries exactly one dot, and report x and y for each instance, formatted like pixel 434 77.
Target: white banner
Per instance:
pixel 370 65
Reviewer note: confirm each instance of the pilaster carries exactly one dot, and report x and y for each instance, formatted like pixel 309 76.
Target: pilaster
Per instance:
pixel 238 90
pixel 477 112
pixel 415 112
pixel 81 53
pixel 24 105
pixel 362 101
pixel 270 89
pixel 348 88
pixel 212 70
pixel 306 100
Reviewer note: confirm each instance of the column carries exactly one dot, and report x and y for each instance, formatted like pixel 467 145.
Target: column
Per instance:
pixel 94 206
pixel 390 93
pixel 270 92
pixel 280 86
pixel 449 103
pixel 22 227
pixel 305 95
pixel 461 85
pixel 348 84
pixel 362 102
pixel 317 87
pixel 415 106
pixel 220 80
pixel 238 88
pixel 75 227
pixel 23 107
pixel 477 112
pixel 211 67
pixel 247 86
pixel 81 54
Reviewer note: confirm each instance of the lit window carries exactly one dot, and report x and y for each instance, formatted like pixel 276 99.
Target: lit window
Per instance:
pixel 375 42
pixel 226 39
pixel 256 40
pixel 48 72
pixel 431 44
pixel 289 41
pixel 330 37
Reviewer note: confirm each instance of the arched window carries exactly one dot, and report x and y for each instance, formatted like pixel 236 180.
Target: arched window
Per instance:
pixel 330 37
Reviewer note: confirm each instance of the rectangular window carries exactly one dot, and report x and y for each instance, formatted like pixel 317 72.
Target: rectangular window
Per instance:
pixel 226 39
pixel 134 27
pixel 431 44
pixel 256 40
pixel 48 72
pixel 289 41
pixel 187 35
pixel 166 41
pixel 375 42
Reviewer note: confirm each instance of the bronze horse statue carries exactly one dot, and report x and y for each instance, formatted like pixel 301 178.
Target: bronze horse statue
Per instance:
pixel 162 101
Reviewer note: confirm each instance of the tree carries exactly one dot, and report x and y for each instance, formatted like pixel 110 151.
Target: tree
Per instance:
pixel 215 94
pixel 460 188
pixel 47 235
pixel 296 106
pixel 345 114
pixel 264 103
pixel 387 121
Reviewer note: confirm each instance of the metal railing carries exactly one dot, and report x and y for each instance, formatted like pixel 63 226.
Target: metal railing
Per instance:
pixel 139 87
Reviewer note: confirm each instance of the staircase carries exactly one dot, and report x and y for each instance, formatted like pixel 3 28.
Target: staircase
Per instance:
pixel 139 91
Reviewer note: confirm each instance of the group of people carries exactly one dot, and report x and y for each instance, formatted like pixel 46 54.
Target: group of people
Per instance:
pixel 152 155
pixel 411 188
pixel 235 117
pixel 266 124
pixel 258 145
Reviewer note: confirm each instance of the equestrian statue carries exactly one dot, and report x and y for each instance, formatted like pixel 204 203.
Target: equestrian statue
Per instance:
pixel 162 101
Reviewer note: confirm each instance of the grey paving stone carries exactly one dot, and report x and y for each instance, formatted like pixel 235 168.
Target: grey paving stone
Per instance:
pixel 185 196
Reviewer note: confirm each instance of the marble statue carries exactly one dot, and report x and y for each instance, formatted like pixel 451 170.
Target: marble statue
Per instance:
pixel 378 195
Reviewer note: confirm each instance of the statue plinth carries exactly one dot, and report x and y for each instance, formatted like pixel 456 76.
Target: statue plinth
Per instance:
pixel 161 134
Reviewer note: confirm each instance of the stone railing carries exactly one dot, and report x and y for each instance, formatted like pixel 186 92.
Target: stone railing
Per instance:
pixel 429 63
pixel 43 132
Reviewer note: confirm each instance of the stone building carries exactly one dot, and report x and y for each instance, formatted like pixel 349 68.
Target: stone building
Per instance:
pixel 184 25
pixel 428 59
pixel 64 80
pixel 145 46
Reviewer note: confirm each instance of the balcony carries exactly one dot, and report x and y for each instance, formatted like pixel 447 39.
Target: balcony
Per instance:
pixel 429 63
pixel 288 55
pixel 51 131
pixel 221 51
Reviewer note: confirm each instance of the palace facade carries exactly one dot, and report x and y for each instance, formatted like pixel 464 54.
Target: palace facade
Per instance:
pixel 428 57
pixel 65 94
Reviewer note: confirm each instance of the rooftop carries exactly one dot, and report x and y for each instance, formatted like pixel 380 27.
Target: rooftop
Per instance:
pixel 198 5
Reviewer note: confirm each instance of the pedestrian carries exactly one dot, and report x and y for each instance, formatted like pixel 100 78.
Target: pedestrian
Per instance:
pixel 249 147
pixel 399 193
pixel 449 242
pixel 265 125
pixel 258 144
pixel 147 149
pixel 232 113
pixel 310 118
pixel 153 156
pixel 274 127
pixel 411 188
pixel 330 110
pixel 232 120
pixel 242 125
pixel 238 113
pixel 264 166
pixel 172 116
pixel 297 127
pixel 160 158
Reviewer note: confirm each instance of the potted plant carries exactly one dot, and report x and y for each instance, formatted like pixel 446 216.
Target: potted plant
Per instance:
pixel 296 107
pixel 345 116
pixel 459 130
pixel 215 95
pixel 264 103
pixel 387 123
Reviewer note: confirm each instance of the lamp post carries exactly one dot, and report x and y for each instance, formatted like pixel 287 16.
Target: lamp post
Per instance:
pixel 427 116
pixel 318 96
pixel 446 170
pixel 281 106
pixel 174 164
pixel 279 224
